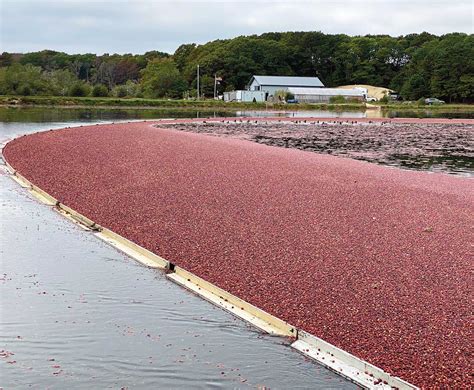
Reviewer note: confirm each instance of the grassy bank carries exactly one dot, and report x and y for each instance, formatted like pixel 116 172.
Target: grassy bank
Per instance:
pixel 218 105
pixel 62 101
pixel 402 106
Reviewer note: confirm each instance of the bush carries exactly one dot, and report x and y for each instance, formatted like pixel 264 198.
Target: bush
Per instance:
pixel 421 101
pixel 120 91
pixel 129 89
pixel 60 81
pixel 79 89
pixel 337 99
pixel 384 100
pixel 353 100
pixel 24 90
pixel 280 95
pixel 100 90
pixel 162 79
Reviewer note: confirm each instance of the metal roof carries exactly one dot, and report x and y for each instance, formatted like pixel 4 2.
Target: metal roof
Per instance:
pixel 326 91
pixel 288 81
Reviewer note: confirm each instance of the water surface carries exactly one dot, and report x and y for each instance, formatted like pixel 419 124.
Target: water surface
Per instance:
pixel 50 114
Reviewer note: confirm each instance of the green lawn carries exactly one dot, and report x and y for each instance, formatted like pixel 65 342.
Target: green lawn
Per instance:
pixel 137 103
pixel 157 103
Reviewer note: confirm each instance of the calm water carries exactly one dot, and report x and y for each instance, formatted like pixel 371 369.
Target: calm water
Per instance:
pixel 75 313
pixel 43 115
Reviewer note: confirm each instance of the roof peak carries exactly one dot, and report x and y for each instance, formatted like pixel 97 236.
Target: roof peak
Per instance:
pixel 294 81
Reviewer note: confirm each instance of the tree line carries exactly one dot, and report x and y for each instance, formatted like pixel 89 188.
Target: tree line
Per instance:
pixel 414 65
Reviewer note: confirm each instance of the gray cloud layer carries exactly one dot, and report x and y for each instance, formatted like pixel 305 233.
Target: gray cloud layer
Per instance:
pixel 136 26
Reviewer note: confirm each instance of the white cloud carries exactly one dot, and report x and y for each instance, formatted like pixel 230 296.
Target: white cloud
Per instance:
pixel 139 25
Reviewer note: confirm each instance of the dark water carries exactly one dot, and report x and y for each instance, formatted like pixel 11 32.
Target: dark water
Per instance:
pixel 44 115
pixel 75 313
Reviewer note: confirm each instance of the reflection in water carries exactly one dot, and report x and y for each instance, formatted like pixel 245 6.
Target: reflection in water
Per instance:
pixel 303 114
pixel 41 114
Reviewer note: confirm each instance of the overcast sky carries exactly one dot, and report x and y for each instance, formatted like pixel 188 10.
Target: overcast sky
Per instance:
pixel 137 26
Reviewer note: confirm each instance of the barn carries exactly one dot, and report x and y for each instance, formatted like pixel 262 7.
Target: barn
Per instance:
pixel 271 84
pixel 324 95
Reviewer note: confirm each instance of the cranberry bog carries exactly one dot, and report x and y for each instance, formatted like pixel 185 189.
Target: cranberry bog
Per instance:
pixel 439 146
pixel 370 259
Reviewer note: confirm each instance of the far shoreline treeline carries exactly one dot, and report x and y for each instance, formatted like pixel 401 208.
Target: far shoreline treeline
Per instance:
pixel 416 66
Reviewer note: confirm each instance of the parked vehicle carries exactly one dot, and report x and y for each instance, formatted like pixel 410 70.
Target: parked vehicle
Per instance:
pixel 370 99
pixel 434 101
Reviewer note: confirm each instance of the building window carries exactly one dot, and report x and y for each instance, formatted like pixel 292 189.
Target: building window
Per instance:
pixel 257 88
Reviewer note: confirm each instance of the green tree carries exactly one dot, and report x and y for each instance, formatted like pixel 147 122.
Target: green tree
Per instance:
pixel 104 72
pixel 466 87
pixel 161 78
pixel 415 87
pixel 100 90
pixel 236 60
pixel 79 89
pixel 60 81
pixel 129 89
pixel 442 68
pixel 452 60
pixel 182 55
pixel 6 59
pixel 20 79
pixel 415 65
pixel 206 85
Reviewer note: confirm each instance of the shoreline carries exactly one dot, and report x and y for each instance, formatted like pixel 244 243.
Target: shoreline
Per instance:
pixel 138 103
pixel 150 104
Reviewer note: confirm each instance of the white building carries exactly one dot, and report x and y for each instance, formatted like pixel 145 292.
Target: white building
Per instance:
pixel 244 96
pixel 324 95
pixel 270 84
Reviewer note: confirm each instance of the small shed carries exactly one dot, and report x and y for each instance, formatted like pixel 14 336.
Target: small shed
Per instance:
pixel 271 84
pixel 324 95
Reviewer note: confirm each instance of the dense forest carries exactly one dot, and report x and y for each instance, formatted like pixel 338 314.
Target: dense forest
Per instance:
pixel 415 65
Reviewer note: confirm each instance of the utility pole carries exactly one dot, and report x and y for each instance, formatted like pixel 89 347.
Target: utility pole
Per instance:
pixel 197 83
pixel 215 86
